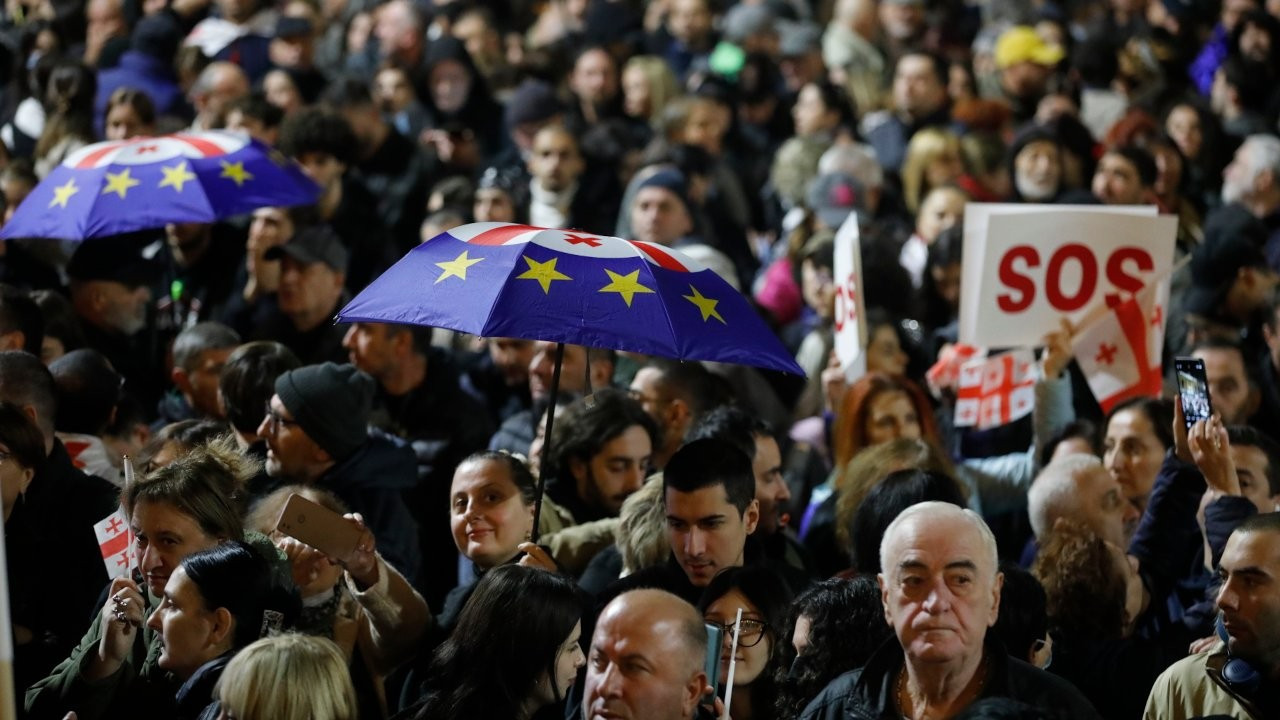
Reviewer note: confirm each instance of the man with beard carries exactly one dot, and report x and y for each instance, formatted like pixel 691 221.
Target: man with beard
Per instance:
pixel 1252 180
pixel 315 429
pixel 1210 684
pixel 561 193
pixel 600 454
pixel 312 267
pixel 110 292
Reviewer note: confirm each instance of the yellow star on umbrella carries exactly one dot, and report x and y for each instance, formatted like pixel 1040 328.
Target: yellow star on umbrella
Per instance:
pixel 705 304
pixel 456 267
pixel 625 285
pixel 543 272
pixel 236 173
pixel 63 193
pixel 119 183
pixel 177 176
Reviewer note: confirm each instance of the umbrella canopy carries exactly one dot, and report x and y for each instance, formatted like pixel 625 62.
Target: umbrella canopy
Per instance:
pixel 505 280
pixel 112 188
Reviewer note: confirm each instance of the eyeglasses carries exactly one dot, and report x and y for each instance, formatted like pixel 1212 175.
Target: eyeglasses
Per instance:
pixel 275 420
pixel 750 636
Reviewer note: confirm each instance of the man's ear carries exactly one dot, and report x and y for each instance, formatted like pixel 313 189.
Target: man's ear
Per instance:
pixel 676 413
pixel 751 517
pixel 995 599
pixel 577 467
pixel 693 693
pixel 180 380
pixel 884 596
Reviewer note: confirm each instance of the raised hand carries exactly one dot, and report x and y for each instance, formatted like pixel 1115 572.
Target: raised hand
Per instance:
pixel 122 617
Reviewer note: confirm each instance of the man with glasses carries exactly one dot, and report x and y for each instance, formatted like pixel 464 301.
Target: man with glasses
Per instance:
pixel 316 433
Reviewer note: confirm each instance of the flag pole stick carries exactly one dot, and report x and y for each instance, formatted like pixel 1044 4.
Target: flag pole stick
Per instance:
pixel 8 698
pixel 546 439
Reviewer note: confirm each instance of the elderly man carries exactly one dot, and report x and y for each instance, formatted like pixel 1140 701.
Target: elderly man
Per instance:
pixel 646 659
pixel 1079 489
pixel 1252 179
pixel 941 592
pixel 315 429
pixel 1236 680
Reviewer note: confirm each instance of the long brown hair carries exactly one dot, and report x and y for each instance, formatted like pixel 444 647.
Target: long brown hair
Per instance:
pixel 851 418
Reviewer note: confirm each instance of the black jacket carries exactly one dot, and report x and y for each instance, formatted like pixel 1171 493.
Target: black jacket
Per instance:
pixel 372 482
pixel 868 693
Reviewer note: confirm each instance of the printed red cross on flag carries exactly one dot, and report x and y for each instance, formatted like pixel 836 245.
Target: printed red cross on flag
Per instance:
pixel 995 391
pixel 580 240
pixel 1106 354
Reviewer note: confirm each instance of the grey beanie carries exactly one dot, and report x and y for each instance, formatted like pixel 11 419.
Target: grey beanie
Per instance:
pixel 331 403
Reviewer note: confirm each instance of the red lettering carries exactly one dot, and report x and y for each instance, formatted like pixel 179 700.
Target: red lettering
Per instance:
pixel 1016 281
pixel 851 291
pixel 840 302
pixel 1088 278
pixel 1122 280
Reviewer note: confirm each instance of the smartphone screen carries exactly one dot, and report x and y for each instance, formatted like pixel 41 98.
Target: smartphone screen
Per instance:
pixel 1193 388
pixel 715 646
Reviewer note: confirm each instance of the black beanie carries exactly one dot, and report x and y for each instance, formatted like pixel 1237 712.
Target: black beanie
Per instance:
pixel 331 403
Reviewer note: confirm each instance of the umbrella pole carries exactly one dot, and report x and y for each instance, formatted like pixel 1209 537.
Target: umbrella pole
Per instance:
pixel 546 439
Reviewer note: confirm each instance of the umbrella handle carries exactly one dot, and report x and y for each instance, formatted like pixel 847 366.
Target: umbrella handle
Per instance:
pixel 546 440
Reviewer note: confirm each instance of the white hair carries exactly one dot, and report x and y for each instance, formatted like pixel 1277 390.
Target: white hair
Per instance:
pixel 1262 153
pixel 858 161
pixel 935 509
pixel 1054 493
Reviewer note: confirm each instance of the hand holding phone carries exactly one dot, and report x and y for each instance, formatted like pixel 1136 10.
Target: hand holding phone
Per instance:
pixel 345 539
pixel 715 646
pixel 1193 389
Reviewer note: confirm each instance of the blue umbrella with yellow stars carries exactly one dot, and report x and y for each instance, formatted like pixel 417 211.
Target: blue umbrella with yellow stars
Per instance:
pixel 118 187
pixel 505 280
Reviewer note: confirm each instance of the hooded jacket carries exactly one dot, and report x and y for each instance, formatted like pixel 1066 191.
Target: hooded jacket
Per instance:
pixel 371 481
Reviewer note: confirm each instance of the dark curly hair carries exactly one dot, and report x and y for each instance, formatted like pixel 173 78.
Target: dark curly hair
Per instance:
pixel 1084 595
pixel 846 625
pixel 320 131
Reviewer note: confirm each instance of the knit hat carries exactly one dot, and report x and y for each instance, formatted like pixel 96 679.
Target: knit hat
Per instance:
pixel 331 403
pixel 533 101
pixel 673 181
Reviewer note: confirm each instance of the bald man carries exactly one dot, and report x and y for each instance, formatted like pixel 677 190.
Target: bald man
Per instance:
pixel 646 659
pixel 940 587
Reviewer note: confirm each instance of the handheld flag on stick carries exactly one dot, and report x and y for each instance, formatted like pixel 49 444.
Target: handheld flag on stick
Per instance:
pixel 733 665
pixel 1120 347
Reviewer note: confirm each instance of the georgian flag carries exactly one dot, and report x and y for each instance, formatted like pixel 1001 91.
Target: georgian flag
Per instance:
pixel 1120 353
pixel 115 540
pixel 996 390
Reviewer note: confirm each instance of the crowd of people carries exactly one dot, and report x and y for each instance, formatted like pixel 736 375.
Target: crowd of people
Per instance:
pixel 858 553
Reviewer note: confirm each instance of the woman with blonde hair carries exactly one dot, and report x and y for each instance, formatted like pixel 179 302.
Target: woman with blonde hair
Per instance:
pixel 288 677
pixel 933 159
pixel 647 86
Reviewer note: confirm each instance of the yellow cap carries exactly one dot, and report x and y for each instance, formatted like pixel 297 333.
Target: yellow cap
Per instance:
pixel 1023 44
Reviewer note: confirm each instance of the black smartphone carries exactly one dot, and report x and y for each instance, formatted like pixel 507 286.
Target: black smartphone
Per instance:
pixel 715 646
pixel 1193 388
